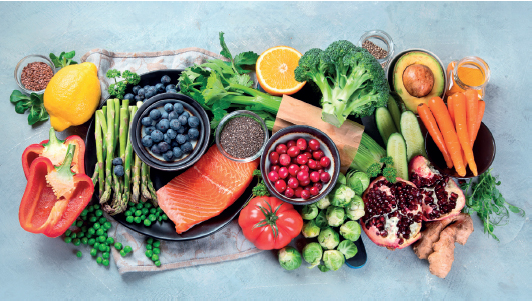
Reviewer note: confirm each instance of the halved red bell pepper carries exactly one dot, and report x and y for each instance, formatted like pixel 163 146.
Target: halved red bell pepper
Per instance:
pixel 55 150
pixel 54 196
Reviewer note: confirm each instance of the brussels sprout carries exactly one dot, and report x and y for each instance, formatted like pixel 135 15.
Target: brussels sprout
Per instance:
pixel 323 203
pixel 310 229
pixel 358 181
pixel 335 216
pixel 342 195
pixel 341 179
pixel 351 230
pixel 355 209
pixel 309 212
pixel 312 254
pixel 333 259
pixel 321 220
pixel 328 238
pixel 289 258
pixel 348 248
pixel 323 268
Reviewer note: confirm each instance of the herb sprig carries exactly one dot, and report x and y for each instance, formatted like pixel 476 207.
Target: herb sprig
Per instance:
pixel 118 89
pixel 64 59
pixel 389 172
pixel 33 103
pixel 489 204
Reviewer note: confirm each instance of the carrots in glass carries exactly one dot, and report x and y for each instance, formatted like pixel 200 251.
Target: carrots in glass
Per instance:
pixel 461 130
pixel 432 127
pixel 441 114
pixel 471 113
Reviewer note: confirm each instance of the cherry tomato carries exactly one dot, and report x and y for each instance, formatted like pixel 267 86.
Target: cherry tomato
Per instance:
pixel 314 144
pixel 325 162
pixel 293 183
pixel 318 185
pixel 280 185
pixel 283 172
pixel 312 164
pixel 325 177
pixel 274 168
pixel 305 194
pixel 281 148
pixel 317 154
pixel 289 192
pixel 284 160
pixel 314 176
pixel 293 151
pixel 302 144
pixel 314 191
pixel 305 182
pixel 293 169
pixel 297 192
pixel 273 176
pixel 290 143
pixel 304 168
pixel 302 159
pixel 308 154
pixel 274 157
pixel 302 176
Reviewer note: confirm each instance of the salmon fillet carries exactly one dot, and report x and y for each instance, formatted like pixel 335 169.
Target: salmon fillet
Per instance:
pixel 205 189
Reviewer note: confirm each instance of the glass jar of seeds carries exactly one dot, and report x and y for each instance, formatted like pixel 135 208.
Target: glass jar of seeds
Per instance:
pixel 241 136
pixel 33 73
pixel 379 44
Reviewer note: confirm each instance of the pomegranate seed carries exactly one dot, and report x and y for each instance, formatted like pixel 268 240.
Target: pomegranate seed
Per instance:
pixel 293 183
pixel 289 192
pixel 283 172
pixel 274 157
pixel 284 159
pixel 314 144
pixel 273 176
pixel 280 185
pixel 325 162
pixel 302 144
pixel 281 148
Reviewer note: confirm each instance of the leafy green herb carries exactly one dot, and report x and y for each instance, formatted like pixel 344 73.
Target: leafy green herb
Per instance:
pixel 64 59
pixel 118 89
pixel 33 103
pixel 489 204
pixel 260 189
pixel 389 172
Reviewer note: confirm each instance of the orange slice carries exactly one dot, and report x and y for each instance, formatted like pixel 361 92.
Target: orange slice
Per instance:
pixel 275 70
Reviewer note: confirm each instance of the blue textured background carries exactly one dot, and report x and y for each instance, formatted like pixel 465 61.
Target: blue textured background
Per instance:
pixel 33 266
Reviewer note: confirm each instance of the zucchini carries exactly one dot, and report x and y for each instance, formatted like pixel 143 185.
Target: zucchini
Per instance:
pixel 396 148
pixel 415 144
pixel 394 111
pixel 384 123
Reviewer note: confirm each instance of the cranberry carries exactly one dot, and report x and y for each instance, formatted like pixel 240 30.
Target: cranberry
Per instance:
pixel 302 175
pixel 294 160
pixel 302 159
pixel 274 157
pixel 281 148
pixel 274 168
pixel 304 182
pixel 289 192
pixel 284 160
pixel 325 162
pixel 304 168
pixel 320 170
pixel 280 185
pixel 293 151
pixel 314 191
pixel 312 164
pixel 308 154
pixel 305 194
pixel 293 183
pixel 314 176
pixel 297 192
pixel 318 185
pixel 293 169
pixel 317 154
pixel 283 172
pixel 302 144
pixel 273 176
pixel 314 144
pixel 290 143
pixel 325 177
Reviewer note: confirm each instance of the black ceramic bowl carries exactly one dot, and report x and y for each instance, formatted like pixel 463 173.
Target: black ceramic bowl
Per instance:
pixel 293 133
pixel 190 106
pixel 483 150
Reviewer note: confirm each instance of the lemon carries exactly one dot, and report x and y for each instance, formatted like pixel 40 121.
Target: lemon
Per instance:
pixel 72 95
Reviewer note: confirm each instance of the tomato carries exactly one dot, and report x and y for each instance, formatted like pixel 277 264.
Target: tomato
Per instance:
pixel 270 223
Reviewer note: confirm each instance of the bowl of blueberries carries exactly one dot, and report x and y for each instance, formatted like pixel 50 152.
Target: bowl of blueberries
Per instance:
pixel 170 132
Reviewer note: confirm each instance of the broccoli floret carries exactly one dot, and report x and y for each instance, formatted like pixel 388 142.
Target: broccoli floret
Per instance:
pixel 314 66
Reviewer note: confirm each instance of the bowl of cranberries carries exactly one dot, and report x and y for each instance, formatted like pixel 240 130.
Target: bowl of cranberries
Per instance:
pixel 300 165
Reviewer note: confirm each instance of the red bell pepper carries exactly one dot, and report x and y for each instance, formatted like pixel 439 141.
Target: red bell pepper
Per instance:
pixel 55 150
pixel 54 196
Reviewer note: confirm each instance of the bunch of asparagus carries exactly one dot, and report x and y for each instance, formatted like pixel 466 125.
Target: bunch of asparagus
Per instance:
pixel 111 131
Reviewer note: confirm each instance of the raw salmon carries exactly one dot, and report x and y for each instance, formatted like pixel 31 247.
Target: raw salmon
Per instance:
pixel 205 189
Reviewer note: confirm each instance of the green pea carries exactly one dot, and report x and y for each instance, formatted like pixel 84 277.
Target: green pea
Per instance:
pixel 96 226
pixel 156 250
pixel 147 205
pixel 76 242
pixel 107 249
pixel 138 220
pixel 156 244
pixel 123 253
pixel 155 257
pixel 91 231
pixel 165 217
pixel 130 219
pixel 105 255
pixel 158 263
pixel 140 205
pixel 99 260
pixel 131 204
pixel 149 253
pixel 157 214
pixel 84 212
pixel 102 220
pixel 149 247
pixel 101 238
pixel 93 219
pixel 98 213
pixel 147 223
pixel 160 218
pixel 138 213
pixel 107 225
pixel 118 246
pixel 110 240
pixel 159 209
pixel 127 213
pixel 96 206
pixel 149 241
pixel 105 262
pixel 79 223
pixel 84 240
pixel 91 209
pixel 73 235
pixel 80 234
pixel 145 211
pixel 99 232
pixel 143 217
pixel 79 254
pixel 96 245
pixel 68 240
pixel 102 248
pixel 127 249
pixel 152 218
pixel 94 252
pixel 153 211
pixel 67 233
pixel 91 241
pixel 84 229
pixel 83 217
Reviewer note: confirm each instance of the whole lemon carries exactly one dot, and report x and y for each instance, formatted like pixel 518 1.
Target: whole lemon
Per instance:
pixel 72 95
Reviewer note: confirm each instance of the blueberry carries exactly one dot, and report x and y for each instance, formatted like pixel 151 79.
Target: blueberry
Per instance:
pixel 183 119
pixel 170 87
pixel 180 138
pixel 174 144
pixel 147 141
pixel 146 88
pixel 117 161
pixel 160 88
pixel 146 121
pixel 148 130
pixel 181 130
pixel 136 89
pixel 187 147
pixel 163 125
pixel 177 152
pixel 174 123
pixel 171 133
pixel 157 136
pixel 193 121
pixel 155 114
pixel 155 149
pixel 163 147
pixel 178 108
pixel 173 115
pixel 171 91
pixel 164 115
pixel 168 107
pixel 141 92
pixel 139 98
pixel 193 133
pixel 167 139
pixel 129 96
pixel 168 156
pixel 166 79
pixel 119 170
pixel 151 92
pixel 186 114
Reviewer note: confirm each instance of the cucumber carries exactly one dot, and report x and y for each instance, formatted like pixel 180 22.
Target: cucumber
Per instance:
pixel 385 123
pixel 415 144
pixel 394 111
pixel 396 148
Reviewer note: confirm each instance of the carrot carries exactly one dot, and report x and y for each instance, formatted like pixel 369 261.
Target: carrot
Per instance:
pixel 471 112
pixel 432 127
pixel 450 105
pixel 481 108
pixel 461 130
pixel 438 108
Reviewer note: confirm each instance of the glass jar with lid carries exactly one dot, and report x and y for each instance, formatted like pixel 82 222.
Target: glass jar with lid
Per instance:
pixel 470 72
pixel 379 44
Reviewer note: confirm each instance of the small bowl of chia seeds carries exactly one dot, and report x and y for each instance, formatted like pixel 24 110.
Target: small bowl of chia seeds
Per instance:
pixel 241 136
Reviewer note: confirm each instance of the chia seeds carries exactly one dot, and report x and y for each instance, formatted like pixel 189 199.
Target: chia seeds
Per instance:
pixel 35 76
pixel 242 137
pixel 375 50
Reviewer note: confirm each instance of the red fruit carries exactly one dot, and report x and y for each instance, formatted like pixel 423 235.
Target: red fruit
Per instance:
pixel 302 159
pixel 325 162
pixel 297 192
pixel 317 154
pixel 293 169
pixel 325 177
pixel 302 144
pixel 274 158
pixel 283 172
pixel 318 185
pixel 305 194
pixel 280 185
pixel 312 164
pixel 304 182
pixel 441 195
pixel 293 151
pixel 294 160
pixel 314 176
pixel 308 154
pixel 393 213
pixel 314 144
pixel 289 192
pixel 274 168
pixel 284 160
pixel 304 168
pixel 302 175
pixel 314 191
pixel 293 183
pixel 273 176
pixel 281 148
pixel 290 143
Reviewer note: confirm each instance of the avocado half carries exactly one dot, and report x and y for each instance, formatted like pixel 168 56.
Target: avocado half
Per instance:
pixel 418 58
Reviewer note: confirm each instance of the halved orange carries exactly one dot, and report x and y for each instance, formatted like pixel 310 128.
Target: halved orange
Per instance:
pixel 275 70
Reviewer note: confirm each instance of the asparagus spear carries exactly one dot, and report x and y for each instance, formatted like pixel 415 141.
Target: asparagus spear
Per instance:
pixel 136 180
pixel 152 191
pixel 109 138
pixel 117 118
pixel 100 118
pixel 95 174
pixel 127 161
pixel 124 125
pixel 99 150
pixel 144 182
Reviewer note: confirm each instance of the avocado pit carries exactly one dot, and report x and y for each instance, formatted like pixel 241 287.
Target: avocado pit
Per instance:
pixel 418 80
